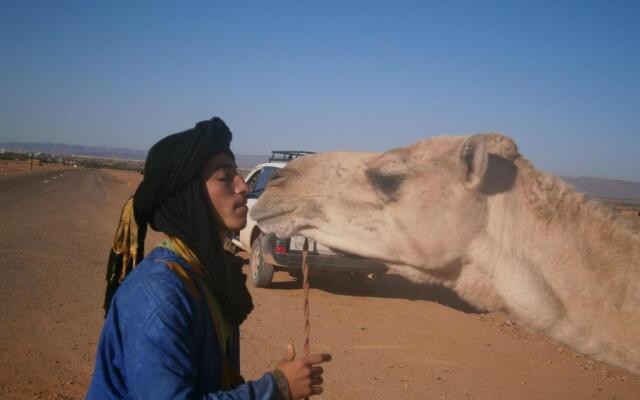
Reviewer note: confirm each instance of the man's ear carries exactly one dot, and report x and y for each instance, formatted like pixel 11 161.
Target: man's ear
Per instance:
pixel 473 156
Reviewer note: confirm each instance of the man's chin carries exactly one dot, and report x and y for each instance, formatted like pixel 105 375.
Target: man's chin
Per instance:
pixel 234 226
pixel 238 225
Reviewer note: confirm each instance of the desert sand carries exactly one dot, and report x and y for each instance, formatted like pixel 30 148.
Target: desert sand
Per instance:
pixel 12 168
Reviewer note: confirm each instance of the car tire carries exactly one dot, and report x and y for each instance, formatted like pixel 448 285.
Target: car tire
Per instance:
pixel 261 271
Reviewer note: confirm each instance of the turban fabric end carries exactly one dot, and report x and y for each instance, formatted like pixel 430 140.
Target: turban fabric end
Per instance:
pixel 126 252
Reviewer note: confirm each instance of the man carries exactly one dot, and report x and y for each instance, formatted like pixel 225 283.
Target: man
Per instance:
pixel 172 327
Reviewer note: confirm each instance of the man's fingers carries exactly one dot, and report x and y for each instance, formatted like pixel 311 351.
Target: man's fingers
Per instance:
pixel 315 371
pixel 317 358
pixel 316 380
pixel 316 390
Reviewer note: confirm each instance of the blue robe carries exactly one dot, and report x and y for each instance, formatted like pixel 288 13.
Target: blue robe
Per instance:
pixel 158 342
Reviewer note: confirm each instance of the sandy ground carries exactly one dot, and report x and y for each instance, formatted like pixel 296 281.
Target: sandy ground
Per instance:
pixel 390 340
pixel 12 168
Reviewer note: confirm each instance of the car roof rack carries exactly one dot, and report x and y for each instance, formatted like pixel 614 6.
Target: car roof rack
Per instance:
pixel 287 155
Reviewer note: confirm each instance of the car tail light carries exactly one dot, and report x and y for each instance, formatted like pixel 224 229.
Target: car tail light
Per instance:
pixel 280 249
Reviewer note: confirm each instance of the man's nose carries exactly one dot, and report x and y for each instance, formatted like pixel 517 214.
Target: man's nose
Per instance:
pixel 241 186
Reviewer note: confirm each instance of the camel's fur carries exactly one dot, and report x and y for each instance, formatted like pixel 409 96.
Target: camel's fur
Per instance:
pixel 470 213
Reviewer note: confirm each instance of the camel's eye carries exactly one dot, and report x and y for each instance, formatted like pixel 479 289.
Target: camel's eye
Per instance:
pixel 388 184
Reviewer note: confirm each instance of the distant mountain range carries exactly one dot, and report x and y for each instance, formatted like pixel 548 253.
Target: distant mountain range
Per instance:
pixel 605 188
pixel 596 187
pixel 76 150
pixel 123 153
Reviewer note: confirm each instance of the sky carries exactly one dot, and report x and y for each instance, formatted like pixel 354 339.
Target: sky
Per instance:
pixel 562 78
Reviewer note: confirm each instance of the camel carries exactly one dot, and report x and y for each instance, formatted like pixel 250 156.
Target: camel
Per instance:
pixel 472 214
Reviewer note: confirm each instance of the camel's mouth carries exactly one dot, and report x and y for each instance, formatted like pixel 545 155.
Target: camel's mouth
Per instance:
pixel 284 225
pixel 341 244
pixel 277 220
pixel 284 222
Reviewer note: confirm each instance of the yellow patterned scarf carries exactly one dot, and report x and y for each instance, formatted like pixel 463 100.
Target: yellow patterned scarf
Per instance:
pixel 126 251
pixel 231 378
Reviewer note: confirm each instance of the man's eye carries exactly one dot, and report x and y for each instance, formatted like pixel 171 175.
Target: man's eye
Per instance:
pixel 227 178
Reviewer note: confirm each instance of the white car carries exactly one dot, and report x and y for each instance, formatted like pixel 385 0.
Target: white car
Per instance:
pixel 270 253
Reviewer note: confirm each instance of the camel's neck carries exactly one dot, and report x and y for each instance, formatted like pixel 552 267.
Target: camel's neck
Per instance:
pixel 546 222
pixel 565 266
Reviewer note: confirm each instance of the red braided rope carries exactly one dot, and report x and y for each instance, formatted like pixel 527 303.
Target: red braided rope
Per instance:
pixel 305 286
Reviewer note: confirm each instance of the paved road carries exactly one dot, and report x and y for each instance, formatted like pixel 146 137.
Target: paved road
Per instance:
pixel 55 229
pixel 397 340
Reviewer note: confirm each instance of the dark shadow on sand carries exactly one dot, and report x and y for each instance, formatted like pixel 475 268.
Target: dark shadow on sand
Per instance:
pixel 385 286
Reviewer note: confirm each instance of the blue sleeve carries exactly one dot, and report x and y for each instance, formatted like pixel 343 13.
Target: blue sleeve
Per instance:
pixel 163 365
pixel 151 348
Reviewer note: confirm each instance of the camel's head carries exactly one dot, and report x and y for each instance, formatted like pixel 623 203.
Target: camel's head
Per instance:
pixel 419 205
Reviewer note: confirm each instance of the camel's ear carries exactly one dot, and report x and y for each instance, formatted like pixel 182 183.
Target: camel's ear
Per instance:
pixel 473 155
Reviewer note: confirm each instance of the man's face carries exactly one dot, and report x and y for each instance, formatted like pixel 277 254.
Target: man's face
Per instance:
pixel 227 191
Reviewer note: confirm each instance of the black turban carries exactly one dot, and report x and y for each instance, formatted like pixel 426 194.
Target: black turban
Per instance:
pixel 173 200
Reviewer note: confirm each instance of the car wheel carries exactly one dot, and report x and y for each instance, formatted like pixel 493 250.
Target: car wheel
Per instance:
pixel 261 271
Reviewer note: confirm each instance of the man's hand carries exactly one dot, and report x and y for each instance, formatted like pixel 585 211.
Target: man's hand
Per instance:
pixel 305 378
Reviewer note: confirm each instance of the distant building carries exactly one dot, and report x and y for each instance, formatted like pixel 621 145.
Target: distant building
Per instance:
pixel 2 150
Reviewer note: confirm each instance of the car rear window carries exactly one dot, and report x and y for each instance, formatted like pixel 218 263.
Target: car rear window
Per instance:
pixel 263 179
